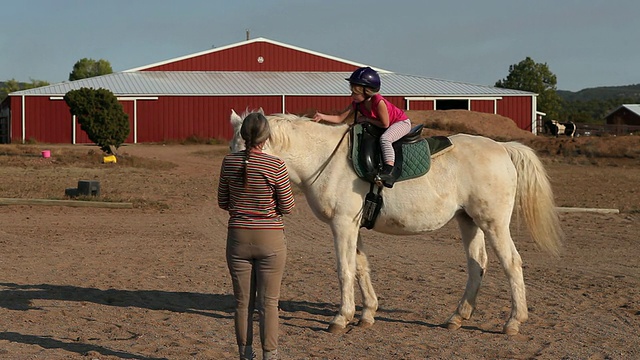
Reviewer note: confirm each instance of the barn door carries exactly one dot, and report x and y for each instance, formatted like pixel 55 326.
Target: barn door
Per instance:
pixel 5 137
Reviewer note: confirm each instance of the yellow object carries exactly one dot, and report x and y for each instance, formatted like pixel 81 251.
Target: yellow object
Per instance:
pixel 109 159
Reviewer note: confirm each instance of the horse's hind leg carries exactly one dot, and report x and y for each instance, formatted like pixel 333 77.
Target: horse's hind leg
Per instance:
pixel 502 243
pixel 369 298
pixel 473 240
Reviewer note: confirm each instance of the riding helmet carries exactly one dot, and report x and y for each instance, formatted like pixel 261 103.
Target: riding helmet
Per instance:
pixel 366 77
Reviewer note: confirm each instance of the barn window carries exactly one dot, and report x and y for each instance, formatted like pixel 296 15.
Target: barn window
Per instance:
pixel 444 104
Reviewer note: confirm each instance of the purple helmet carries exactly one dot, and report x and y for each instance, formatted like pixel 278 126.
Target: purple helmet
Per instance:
pixel 366 77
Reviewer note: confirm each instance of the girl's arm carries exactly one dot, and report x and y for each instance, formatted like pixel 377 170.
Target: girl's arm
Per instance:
pixel 336 119
pixel 383 114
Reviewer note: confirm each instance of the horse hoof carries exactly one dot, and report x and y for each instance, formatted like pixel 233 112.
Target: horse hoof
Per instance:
pixel 336 329
pixel 454 322
pixel 511 329
pixel 453 325
pixel 364 324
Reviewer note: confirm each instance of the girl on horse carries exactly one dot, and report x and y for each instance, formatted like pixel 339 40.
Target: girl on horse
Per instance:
pixel 376 110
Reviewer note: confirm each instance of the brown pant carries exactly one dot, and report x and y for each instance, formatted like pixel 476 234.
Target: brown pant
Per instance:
pixel 256 260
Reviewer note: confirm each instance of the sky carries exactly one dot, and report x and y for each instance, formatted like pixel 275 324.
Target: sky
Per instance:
pixel 585 43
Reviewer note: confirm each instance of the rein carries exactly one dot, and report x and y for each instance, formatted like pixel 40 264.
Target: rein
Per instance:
pixel 335 150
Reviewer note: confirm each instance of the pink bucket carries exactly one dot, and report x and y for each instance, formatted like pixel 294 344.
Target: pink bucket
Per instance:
pixel 46 154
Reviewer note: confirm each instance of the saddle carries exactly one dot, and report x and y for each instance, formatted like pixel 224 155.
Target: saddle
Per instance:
pixel 413 159
pixel 413 152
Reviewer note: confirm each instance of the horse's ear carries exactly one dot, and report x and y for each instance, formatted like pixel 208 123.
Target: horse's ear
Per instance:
pixel 261 111
pixel 236 120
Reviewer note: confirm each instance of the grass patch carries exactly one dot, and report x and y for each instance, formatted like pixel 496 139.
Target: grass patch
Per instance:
pixel 81 157
pixel 30 176
pixel 214 152
pixel 195 140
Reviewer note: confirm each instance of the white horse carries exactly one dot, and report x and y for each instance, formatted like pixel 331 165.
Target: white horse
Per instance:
pixel 478 182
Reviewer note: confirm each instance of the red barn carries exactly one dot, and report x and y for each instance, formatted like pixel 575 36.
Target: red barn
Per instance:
pixel 193 95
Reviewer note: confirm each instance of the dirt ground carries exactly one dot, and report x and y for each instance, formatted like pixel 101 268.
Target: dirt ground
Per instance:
pixel 151 282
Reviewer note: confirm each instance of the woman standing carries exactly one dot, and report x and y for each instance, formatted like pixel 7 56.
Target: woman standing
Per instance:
pixel 254 188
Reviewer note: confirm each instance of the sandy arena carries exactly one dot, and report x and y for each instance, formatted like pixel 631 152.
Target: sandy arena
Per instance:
pixel 151 282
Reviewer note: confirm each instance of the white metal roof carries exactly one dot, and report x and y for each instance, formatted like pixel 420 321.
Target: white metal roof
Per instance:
pixel 634 108
pixel 212 83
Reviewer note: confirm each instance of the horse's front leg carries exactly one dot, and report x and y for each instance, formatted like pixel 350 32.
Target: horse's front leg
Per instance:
pixel 345 235
pixel 369 298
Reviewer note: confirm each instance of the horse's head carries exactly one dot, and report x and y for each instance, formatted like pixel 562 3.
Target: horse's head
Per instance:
pixel 305 146
pixel 237 142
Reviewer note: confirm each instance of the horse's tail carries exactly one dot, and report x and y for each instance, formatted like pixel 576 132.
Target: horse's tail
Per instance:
pixel 534 197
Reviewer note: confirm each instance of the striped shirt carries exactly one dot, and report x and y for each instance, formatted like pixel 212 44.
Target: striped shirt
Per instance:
pixel 265 199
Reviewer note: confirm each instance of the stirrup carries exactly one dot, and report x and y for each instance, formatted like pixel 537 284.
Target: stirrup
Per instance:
pixel 371 207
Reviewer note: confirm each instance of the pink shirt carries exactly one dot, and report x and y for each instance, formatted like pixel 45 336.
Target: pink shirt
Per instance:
pixel 395 113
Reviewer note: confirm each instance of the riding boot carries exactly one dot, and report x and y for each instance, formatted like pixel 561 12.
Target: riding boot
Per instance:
pixel 386 175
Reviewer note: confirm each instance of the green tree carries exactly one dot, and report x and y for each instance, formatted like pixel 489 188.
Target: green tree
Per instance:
pixel 8 87
pixel 13 85
pixel 86 68
pixel 101 116
pixel 527 75
pixel 36 84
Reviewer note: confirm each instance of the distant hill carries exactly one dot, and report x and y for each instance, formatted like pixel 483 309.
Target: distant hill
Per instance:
pixel 603 93
pixel 591 105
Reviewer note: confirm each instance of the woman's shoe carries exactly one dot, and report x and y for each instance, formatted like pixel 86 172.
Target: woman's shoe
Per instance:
pixel 270 355
pixel 246 353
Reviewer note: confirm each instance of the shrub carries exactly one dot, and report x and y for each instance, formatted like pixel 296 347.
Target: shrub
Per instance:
pixel 101 116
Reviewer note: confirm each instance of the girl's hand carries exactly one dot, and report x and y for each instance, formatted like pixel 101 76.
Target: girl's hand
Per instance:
pixel 317 117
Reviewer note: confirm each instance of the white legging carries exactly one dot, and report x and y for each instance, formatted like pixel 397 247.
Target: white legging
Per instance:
pixel 391 135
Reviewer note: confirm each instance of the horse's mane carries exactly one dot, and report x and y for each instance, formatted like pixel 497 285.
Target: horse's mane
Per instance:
pixel 281 124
